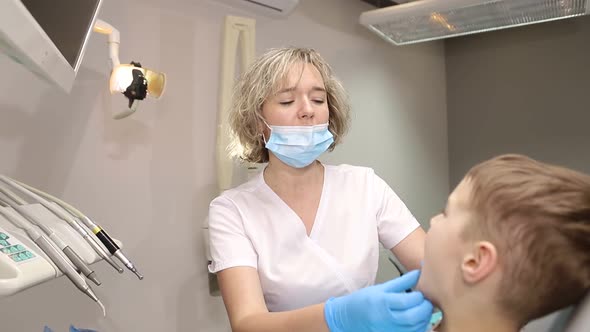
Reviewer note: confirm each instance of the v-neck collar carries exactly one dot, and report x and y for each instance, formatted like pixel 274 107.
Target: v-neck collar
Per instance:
pixel 317 223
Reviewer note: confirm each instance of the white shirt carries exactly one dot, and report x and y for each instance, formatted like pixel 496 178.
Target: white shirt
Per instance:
pixel 251 226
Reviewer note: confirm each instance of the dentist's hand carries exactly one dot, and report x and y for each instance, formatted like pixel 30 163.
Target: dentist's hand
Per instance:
pixel 385 307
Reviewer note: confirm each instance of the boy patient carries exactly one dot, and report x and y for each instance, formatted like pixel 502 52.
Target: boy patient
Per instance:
pixel 512 245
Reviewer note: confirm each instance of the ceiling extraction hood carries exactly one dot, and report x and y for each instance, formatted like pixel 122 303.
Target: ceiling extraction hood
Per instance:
pixel 426 20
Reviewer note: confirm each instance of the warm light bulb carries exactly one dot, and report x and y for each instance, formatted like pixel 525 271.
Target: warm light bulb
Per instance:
pixel 121 77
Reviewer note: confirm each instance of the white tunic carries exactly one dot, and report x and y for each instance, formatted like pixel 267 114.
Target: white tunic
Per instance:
pixel 251 226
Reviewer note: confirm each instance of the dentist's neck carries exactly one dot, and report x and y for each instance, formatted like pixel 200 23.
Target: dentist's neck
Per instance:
pixel 280 175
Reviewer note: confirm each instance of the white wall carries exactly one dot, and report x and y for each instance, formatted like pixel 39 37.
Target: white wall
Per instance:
pixel 520 90
pixel 149 178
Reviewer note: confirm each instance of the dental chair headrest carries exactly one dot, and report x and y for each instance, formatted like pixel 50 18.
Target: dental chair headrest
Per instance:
pixel 579 319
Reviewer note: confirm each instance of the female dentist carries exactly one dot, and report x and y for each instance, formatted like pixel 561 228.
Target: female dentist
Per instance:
pixel 296 248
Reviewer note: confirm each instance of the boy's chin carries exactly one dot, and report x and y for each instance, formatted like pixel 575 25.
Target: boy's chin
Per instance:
pixel 422 283
pixel 426 288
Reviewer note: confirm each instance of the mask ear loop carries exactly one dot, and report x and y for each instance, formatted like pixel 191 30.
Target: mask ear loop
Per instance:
pixel 263 137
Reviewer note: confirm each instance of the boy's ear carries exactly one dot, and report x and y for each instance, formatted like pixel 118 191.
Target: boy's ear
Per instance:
pixel 480 262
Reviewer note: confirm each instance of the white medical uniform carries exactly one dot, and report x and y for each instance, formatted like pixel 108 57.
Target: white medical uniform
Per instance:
pixel 251 226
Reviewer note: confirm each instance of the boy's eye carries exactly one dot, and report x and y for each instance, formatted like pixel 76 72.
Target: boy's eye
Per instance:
pixel 286 102
pixel 318 101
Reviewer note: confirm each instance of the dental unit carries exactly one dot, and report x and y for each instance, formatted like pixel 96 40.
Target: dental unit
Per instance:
pixel 62 263
pixel 57 240
pixel 35 195
pixel 68 241
pixel 98 231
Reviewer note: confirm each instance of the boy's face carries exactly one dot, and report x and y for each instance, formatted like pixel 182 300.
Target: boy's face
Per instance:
pixel 445 248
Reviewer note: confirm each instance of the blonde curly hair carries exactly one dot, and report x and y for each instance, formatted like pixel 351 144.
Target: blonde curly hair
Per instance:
pixel 262 80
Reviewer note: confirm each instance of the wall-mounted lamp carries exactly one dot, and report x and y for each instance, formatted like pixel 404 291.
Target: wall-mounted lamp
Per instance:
pixel 132 80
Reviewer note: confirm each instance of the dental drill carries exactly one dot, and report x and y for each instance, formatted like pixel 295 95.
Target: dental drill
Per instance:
pixel 112 247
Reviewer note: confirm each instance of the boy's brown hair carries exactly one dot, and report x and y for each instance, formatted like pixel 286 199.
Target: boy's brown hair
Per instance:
pixel 538 217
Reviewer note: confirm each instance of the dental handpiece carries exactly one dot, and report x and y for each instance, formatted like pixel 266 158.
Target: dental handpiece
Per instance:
pixel 54 254
pixel 111 246
pixel 67 250
pixel 61 244
pixel 36 194
pixel 62 263
pixel 91 240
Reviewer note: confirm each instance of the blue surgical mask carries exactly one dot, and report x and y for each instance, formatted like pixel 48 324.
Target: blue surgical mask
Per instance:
pixel 299 146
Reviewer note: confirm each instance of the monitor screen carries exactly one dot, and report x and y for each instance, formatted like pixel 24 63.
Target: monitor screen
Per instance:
pixel 69 35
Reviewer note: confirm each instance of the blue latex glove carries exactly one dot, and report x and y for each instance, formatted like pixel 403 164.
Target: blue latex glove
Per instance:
pixel 385 307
